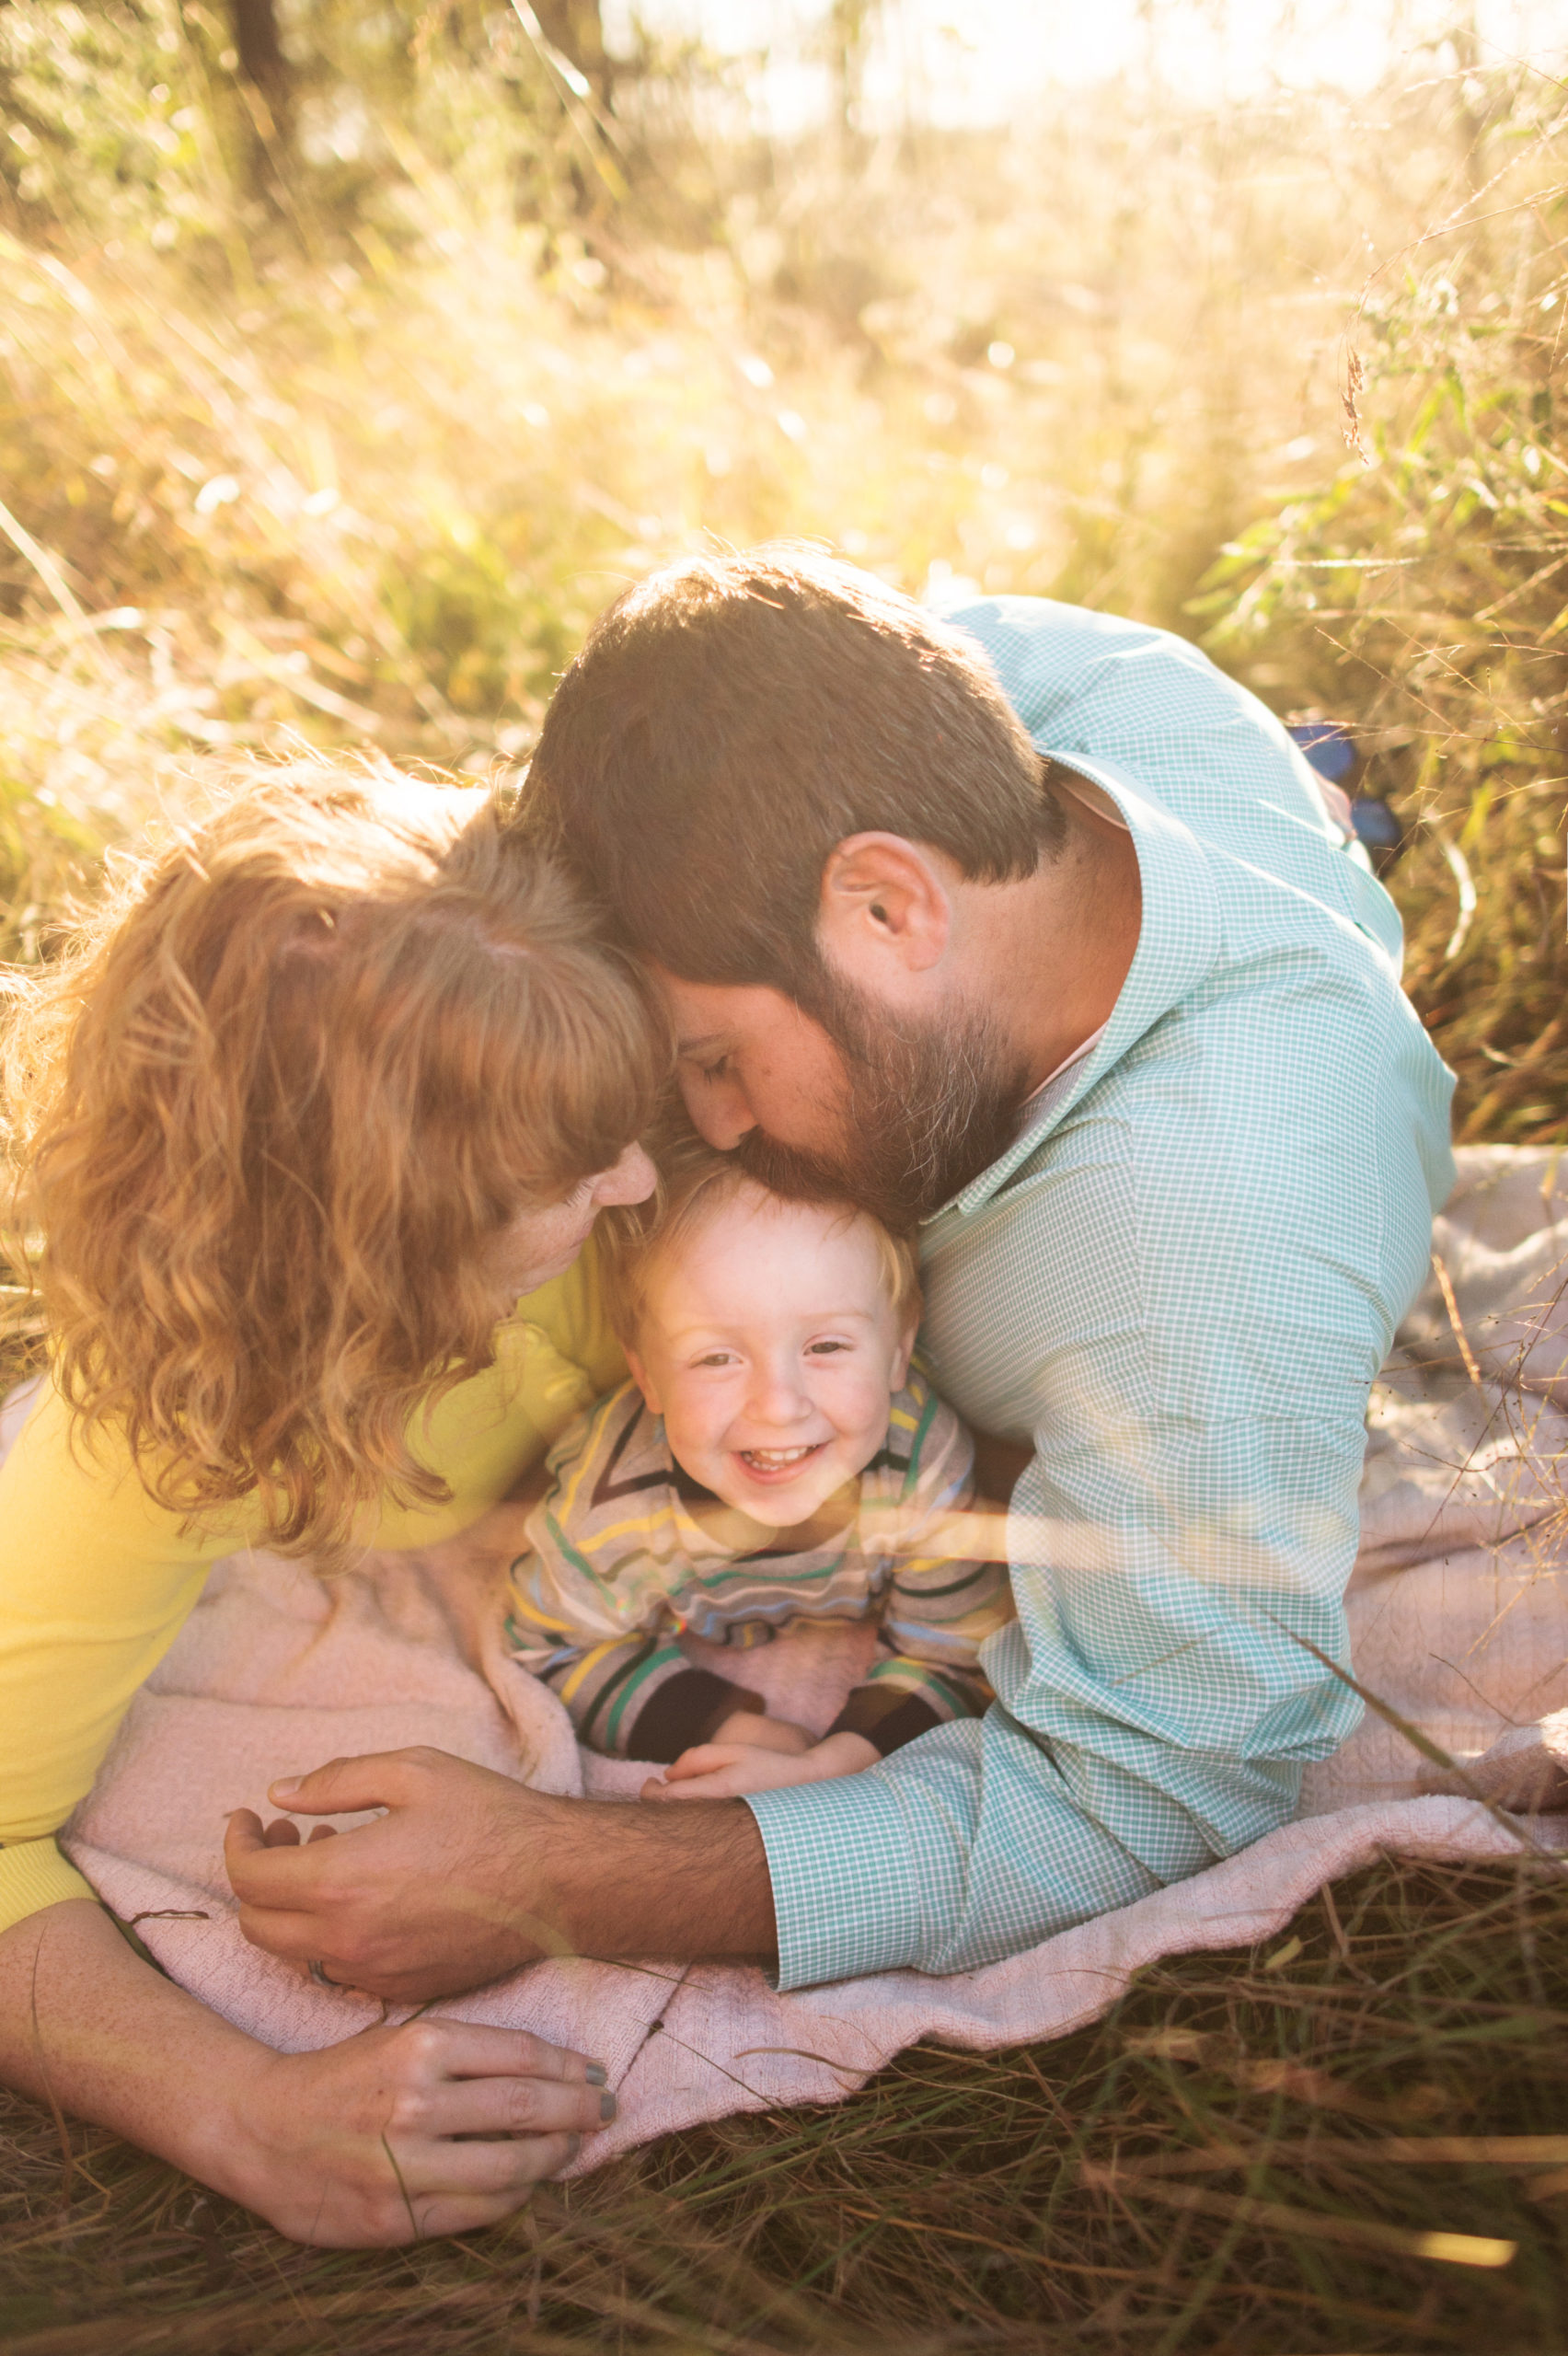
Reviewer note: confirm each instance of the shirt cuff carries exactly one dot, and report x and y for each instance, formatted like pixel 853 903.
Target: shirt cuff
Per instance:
pixel 34 1874
pixel 849 1893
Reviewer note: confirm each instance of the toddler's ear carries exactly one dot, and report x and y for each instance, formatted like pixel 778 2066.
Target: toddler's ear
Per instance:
pixel 640 1376
pixel 902 1354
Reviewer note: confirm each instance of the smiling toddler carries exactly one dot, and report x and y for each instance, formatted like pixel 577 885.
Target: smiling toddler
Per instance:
pixel 774 1460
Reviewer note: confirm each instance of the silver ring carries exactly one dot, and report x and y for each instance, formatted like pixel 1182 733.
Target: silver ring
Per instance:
pixel 318 1973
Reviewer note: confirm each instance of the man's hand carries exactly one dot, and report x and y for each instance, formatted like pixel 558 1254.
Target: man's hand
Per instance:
pixel 470 1875
pixel 725 1770
pixel 419 1903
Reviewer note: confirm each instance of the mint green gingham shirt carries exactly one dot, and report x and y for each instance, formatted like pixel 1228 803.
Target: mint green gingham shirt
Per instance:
pixel 1178 1285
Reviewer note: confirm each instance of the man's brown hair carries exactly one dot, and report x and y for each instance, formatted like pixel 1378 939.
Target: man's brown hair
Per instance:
pixel 733 718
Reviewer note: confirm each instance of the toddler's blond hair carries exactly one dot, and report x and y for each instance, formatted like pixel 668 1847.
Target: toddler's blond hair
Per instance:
pixel 695 1182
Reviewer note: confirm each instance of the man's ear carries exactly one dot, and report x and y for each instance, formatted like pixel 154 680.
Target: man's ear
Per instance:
pixel 640 1376
pixel 885 902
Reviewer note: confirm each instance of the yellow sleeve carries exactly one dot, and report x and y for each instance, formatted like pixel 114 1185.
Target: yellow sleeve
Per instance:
pixel 96 1579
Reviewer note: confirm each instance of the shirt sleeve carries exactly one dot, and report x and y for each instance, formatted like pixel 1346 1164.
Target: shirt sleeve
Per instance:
pixel 95 1583
pixel 1196 1346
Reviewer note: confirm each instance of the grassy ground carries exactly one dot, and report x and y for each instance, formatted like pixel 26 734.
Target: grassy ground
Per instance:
pixel 361 466
pixel 1291 2150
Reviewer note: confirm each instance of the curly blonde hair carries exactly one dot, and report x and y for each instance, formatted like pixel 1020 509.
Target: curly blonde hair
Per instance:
pixel 271 1106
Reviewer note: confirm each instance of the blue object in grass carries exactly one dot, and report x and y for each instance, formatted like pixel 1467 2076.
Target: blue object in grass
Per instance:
pixel 1328 747
pixel 1377 827
pixel 1332 752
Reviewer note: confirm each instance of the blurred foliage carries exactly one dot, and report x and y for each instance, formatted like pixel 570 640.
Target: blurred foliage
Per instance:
pixel 340 412
pixel 1423 593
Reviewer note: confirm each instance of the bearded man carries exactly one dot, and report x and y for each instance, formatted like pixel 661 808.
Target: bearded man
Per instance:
pixel 1031 930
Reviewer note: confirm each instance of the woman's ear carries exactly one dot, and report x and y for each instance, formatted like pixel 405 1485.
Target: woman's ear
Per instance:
pixel 640 1376
pixel 885 902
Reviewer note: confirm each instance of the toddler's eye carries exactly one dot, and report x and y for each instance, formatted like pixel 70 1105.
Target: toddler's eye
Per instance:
pixel 824 1349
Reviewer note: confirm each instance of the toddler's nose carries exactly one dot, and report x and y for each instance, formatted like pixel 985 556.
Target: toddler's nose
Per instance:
pixel 776 1396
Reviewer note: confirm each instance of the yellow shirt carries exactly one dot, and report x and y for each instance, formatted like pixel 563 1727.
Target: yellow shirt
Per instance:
pixel 96 1579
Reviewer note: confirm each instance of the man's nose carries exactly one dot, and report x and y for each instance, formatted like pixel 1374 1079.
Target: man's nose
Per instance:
pixel 719 1112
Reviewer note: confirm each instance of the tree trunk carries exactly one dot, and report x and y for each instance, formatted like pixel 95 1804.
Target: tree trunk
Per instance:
pixel 267 86
pixel 577 28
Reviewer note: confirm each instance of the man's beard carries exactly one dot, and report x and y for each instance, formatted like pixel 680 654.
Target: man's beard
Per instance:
pixel 923 1110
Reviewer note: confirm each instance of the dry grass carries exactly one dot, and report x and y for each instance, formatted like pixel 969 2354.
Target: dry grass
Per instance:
pixel 1252 2154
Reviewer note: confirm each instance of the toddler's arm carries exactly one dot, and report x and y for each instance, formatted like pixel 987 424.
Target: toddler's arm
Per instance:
pixel 727 1771
pixel 588 1603
pixel 900 1700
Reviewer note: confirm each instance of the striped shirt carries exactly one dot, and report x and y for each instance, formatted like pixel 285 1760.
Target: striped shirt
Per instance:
pixel 1179 1282
pixel 628 1552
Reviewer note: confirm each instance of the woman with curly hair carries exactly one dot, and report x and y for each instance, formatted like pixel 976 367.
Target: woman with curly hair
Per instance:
pixel 320 1095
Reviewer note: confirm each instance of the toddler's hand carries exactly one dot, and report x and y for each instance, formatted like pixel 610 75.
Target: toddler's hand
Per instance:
pixel 755 1732
pixel 726 1770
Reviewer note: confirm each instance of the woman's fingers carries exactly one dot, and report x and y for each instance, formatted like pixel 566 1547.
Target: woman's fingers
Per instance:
pixel 469 2209
pixel 491 2170
pixel 494 2107
pixel 429 2127
pixel 442 2049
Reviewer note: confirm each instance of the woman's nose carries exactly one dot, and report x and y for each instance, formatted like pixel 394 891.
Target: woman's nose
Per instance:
pixel 632 1179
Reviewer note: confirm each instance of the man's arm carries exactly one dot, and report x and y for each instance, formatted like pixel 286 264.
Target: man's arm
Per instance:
pixel 470 1875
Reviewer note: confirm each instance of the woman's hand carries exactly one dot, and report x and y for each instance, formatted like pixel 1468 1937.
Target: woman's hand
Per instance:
pixel 357 2146
pixel 727 1771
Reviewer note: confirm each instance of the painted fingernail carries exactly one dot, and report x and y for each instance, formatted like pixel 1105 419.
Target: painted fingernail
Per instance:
pixel 606 2107
pixel 596 2074
pixel 573 2145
